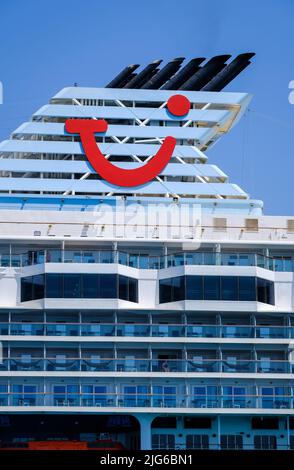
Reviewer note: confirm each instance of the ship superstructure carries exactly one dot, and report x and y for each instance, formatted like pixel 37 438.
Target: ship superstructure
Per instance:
pixel 161 315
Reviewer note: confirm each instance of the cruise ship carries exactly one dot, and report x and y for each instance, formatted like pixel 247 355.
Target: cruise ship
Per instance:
pixel 156 315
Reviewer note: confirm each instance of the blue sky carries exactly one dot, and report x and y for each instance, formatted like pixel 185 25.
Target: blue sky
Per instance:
pixel 45 46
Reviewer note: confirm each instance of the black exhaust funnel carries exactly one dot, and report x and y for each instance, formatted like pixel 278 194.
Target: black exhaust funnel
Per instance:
pixel 145 75
pixel 184 73
pixel 229 72
pixel 164 74
pixel 122 77
pixel 206 73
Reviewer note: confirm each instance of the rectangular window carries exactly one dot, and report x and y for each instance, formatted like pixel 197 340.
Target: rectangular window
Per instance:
pixel 54 286
pixel 231 441
pixel 247 288
pixel 72 286
pixel 38 286
pixel 163 441
pixel 265 291
pixel 107 286
pixel 197 441
pixel 211 288
pixel 26 289
pixel 194 287
pixel 90 286
pixel 229 288
pixel 265 442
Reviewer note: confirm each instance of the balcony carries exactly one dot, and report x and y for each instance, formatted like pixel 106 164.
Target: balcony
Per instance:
pixel 145 261
pixel 158 330
pixel 122 400
pixel 88 364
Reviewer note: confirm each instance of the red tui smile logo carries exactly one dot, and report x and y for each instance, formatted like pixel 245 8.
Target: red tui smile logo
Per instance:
pixel 178 105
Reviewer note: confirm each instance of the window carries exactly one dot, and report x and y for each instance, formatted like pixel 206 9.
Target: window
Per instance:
pixel 32 288
pixel 76 286
pixel 205 396
pixel 265 442
pixel 229 288
pixel 194 287
pixel 90 286
pixel 234 397
pixel 172 289
pixel 66 395
pixel 232 288
pixel 163 441
pixel 72 286
pixel 54 286
pixel 231 441
pixel 128 289
pixel 107 286
pixel 197 441
pixel 164 396
pixel 24 395
pixel 265 423
pixel 211 287
pixel 265 291
pixel 247 289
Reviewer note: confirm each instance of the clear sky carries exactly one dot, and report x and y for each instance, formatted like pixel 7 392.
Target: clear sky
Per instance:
pixel 47 45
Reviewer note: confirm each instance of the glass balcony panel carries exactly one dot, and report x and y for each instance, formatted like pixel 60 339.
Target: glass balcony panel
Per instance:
pixel 123 258
pixel 18 364
pixel 5 260
pixel 194 259
pixel 155 262
pixel 144 262
pixel 270 366
pixel 271 332
pixel 23 329
pixel 232 365
pixel 4 329
pixel 55 364
pixel 206 365
pixel 209 259
pixel 97 365
pixel 53 256
pixel 106 257
pixel 234 331
pixel 133 261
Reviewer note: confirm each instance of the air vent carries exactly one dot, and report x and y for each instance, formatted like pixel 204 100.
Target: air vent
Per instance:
pixel 251 225
pixel 220 224
pixel 290 226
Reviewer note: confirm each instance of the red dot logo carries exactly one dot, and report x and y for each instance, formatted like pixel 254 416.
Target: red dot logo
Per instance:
pixel 178 105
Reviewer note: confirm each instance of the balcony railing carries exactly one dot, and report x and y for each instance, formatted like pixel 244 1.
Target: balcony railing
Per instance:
pixel 146 330
pixel 145 261
pixel 88 364
pixel 119 400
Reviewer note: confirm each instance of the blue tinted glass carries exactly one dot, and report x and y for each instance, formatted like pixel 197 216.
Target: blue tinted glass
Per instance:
pixel 194 287
pixel 247 291
pixel 165 290
pixel 90 286
pixel 38 286
pixel 229 288
pixel 178 288
pixel 211 287
pixel 54 286
pixel 108 286
pixel 26 289
pixel 72 286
